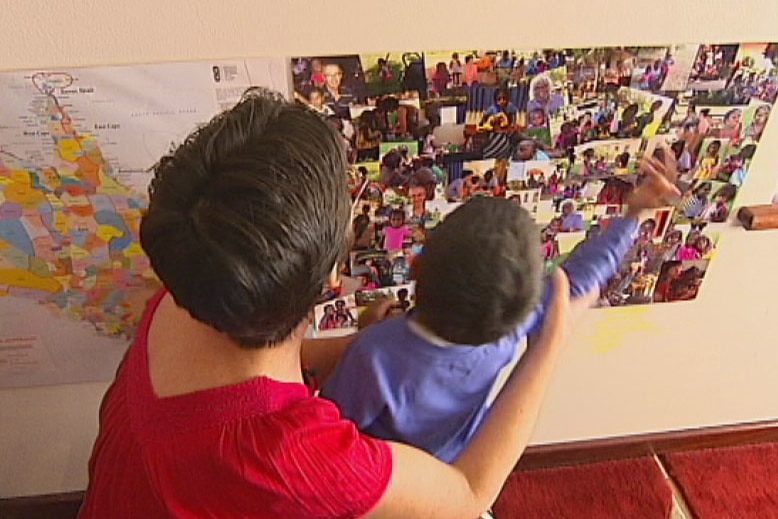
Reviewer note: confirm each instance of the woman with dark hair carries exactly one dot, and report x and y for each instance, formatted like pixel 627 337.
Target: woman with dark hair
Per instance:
pixel 210 414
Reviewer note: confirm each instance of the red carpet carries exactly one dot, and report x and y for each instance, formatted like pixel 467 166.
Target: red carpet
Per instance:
pixel 633 488
pixel 736 482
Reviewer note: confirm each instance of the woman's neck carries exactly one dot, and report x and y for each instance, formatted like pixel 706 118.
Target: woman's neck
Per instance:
pixel 186 355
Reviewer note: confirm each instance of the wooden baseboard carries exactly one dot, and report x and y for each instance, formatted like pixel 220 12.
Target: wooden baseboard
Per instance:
pixel 52 506
pixel 573 453
pixel 65 506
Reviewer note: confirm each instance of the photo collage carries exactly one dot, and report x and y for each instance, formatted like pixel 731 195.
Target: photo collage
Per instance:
pixel 560 131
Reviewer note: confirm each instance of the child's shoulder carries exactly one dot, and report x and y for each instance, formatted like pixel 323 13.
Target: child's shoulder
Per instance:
pixel 383 333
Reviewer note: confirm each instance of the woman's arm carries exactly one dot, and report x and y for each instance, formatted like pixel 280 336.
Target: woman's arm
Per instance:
pixel 422 486
pixel 320 356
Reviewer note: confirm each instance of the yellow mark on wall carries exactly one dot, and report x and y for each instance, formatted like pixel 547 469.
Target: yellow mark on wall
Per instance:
pixel 620 328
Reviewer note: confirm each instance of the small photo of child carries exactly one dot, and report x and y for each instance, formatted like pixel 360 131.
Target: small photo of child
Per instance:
pixel 335 317
pixel 537 118
pixel 755 120
pixel 731 126
pixel 696 246
pixel 397 233
pixel 718 211
pixel 710 159
pixel 636 279
pixel 735 166
pixel 384 268
pixel 403 297
pixel 679 280
pixel 712 67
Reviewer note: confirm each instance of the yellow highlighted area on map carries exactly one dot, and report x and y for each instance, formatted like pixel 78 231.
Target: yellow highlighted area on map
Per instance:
pixel 78 252
pixel 24 194
pixel 61 222
pixel 134 249
pixel 109 186
pixel 108 232
pixel 25 279
pixel 69 149
pixel 22 176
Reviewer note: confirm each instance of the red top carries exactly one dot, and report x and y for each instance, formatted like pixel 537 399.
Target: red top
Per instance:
pixel 261 448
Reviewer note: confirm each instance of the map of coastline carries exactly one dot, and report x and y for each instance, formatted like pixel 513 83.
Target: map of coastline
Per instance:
pixel 69 231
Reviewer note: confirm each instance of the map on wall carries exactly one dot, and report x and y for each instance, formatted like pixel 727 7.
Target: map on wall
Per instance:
pixel 75 151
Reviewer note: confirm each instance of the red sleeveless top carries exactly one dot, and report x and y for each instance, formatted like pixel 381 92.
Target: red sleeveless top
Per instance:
pixel 261 448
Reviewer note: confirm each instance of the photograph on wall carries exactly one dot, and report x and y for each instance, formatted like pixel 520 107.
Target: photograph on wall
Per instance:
pixel 336 317
pixel 403 297
pixel 561 132
pixel 663 68
pixel 712 67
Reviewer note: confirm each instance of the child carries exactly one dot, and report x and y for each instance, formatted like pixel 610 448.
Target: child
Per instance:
pixel 686 286
pixel 471 71
pixel 586 131
pixel 671 272
pixel 397 232
pixel 733 125
pixel 587 165
pixel 385 73
pixel 646 79
pixel 361 228
pixel 456 69
pixel 343 315
pixel 428 378
pixel 709 165
pixel 403 304
pixel 682 156
pixel 549 246
pixel 622 164
pixel 718 211
pixel 704 247
pixel 734 169
pixel 755 129
pixel 317 73
pixel 671 244
pixel 440 79
pixel 689 251
pixel 537 118
pixel 694 206
pixel 328 321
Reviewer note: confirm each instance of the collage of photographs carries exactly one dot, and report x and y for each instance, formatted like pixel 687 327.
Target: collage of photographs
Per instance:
pixel 559 131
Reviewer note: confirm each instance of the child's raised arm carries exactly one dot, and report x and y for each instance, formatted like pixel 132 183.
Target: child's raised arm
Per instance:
pixel 595 261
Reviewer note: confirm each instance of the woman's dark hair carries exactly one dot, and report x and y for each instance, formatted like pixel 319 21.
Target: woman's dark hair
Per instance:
pixel 248 216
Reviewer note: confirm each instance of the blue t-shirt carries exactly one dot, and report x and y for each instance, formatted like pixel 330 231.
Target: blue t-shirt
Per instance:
pixel 397 384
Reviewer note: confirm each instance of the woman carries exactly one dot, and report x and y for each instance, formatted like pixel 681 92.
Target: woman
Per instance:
pixel 209 415
pixel 543 96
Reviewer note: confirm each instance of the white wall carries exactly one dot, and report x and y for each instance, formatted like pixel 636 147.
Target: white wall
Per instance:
pixel 629 371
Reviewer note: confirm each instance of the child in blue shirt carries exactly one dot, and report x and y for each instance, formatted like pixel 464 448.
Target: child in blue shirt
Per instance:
pixel 428 378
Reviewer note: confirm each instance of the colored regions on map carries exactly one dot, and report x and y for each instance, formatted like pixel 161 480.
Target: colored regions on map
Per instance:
pixel 69 231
